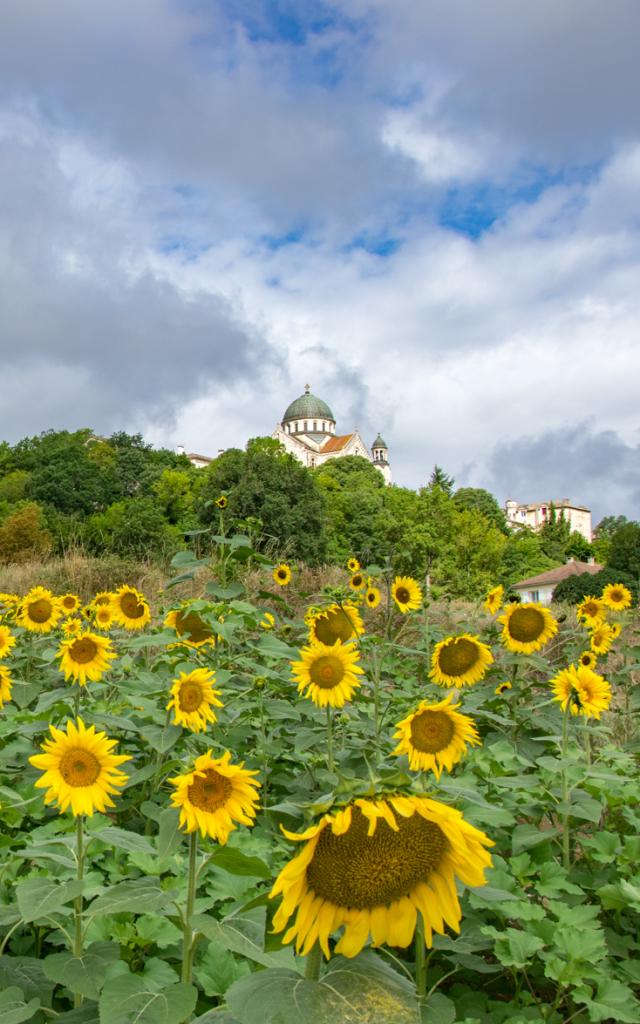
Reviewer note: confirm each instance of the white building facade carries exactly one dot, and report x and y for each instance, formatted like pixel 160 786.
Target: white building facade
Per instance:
pixel 308 431
pixel 536 514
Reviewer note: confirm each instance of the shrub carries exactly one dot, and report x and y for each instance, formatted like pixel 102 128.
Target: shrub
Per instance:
pixel 575 588
pixel 23 535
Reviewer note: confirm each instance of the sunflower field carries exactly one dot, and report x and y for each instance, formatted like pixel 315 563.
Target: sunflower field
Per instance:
pixel 263 805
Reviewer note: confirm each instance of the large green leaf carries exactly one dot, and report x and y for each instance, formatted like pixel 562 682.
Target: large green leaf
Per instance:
pixel 84 974
pixel 140 896
pixel 127 1000
pixel 613 1001
pixel 364 990
pixel 245 936
pixel 39 897
pixel 236 863
pixel 13 1009
pixel 25 972
pixel 124 840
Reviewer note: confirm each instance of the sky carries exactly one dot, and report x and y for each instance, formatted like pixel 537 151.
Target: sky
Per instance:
pixel 428 212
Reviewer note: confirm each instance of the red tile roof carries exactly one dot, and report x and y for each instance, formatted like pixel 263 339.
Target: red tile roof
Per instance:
pixel 336 444
pixel 561 572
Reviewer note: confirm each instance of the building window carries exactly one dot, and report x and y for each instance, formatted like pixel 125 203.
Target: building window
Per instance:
pixel 535 595
pixel 315 427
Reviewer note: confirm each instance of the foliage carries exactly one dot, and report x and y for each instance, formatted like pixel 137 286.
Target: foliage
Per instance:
pixel 575 588
pixel 624 551
pixel 476 499
pixel 441 480
pixel 523 557
pixel 23 534
pixel 134 526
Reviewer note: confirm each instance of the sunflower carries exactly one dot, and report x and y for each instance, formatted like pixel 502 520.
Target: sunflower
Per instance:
pixel 102 597
pixel 435 736
pixel 460 661
pixel 583 690
pixel 502 688
pixel 406 593
pixel 190 627
pixel 5 684
pixel 616 596
pixel 372 597
pixel 8 600
pixel 357 581
pixel 601 638
pixel 616 630
pixel 282 575
pixel 591 612
pixel 328 673
pixel 215 795
pixel 338 622
pixel 7 641
pixel 72 626
pixel 371 867
pixel 39 611
pixel 129 608
pixel 493 600
pixel 193 699
pixel 70 603
pixel 79 769
pixel 222 502
pixel 85 656
pixel 268 621
pixel 103 616
pixel 527 627
pixel 353 565
pixel 588 659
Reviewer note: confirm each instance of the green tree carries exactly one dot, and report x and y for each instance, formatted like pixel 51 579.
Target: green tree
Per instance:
pixel 624 553
pixel 554 535
pixel 523 556
pixel 23 534
pixel 575 588
pixel 470 564
pixel 268 484
pixel 354 499
pixel 476 499
pixel 441 480
pixel 174 495
pixel 133 526
pixel 14 485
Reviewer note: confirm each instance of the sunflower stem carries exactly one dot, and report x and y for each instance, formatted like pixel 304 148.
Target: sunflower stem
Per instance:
pixel 78 903
pixel 187 941
pixel 566 837
pixel 421 960
pixel 312 966
pixel 330 761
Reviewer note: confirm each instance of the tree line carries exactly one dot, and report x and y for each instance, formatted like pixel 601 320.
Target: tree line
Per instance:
pixel 63 490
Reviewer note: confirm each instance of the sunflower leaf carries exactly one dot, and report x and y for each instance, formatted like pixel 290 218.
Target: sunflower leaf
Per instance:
pixel 84 974
pixel 127 1000
pixel 39 897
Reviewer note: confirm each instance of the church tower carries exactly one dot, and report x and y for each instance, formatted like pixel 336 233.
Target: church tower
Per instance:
pixel 379 452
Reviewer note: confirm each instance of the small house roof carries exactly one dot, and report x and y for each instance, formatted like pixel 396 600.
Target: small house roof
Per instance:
pixel 561 572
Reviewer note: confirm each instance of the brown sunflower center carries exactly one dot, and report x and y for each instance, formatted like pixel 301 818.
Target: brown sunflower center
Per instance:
pixel 431 731
pixel 131 606
pixel 190 696
pixel 359 871
pixel 402 595
pixel 357 580
pixel 327 671
pixel 83 650
pixel 335 625
pixel 586 659
pixel 371 596
pixel 458 657
pixel 79 767
pixel 69 602
pixel 282 574
pixel 40 610
pixel 526 624
pixel 591 608
pixel 192 628
pixel 102 599
pixel 209 792
pixel 616 596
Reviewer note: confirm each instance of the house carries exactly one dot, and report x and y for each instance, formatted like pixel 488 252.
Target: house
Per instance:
pixel 540 588
pixel 536 514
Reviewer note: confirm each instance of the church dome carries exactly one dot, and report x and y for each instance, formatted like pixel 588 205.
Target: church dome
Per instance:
pixel 308 407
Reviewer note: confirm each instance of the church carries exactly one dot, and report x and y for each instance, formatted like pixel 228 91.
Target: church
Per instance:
pixel 308 431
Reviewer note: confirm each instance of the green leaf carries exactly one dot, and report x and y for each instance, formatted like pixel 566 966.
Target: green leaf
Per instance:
pixel 217 969
pixel 245 936
pixel 40 897
pixel 515 948
pixel 86 1014
pixel 613 1001
pixel 123 840
pixel 84 974
pixel 127 1000
pixel 438 1010
pixel 526 837
pixel 161 738
pixel 26 972
pixel 236 863
pixel 169 835
pixel 363 990
pixel 140 896
pixel 13 1009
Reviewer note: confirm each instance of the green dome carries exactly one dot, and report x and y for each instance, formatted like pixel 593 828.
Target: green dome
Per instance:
pixel 378 443
pixel 308 407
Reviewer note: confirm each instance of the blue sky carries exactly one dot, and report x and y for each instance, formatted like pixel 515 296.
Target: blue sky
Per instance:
pixel 429 212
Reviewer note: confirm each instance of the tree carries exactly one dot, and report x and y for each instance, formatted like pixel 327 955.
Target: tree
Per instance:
pixel 624 553
pixel 13 486
pixel 554 535
pixel 174 495
pixel 470 564
pixel 133 526
pixel 441 479
pixel 575 588
pixel 268 484
pixel 354 498
pixel 478 500
pixel 522 557
pixel 23 535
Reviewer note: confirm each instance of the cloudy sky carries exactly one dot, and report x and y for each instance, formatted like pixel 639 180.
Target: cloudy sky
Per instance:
pixel 428 211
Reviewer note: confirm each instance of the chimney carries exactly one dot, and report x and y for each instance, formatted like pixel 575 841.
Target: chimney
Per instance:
pixel 180 449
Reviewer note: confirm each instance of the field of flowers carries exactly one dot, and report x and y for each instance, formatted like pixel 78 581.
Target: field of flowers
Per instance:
pixel 272 806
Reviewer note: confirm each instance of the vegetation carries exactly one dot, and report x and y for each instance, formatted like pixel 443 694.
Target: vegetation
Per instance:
pixel 65 491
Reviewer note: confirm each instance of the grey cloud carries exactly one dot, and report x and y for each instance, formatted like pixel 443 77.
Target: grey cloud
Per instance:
pixel 119 344
pixel 593 468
